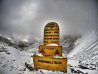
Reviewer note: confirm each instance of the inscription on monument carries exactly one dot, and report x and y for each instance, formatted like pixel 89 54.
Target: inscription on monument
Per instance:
pixel 51 33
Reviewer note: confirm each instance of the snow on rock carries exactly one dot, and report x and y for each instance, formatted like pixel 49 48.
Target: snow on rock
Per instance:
pixel 63 56
pixel 85 46
pixel 58 56
pixel 38 54
pixel 86 52
pixel 52 44
pixel 41 71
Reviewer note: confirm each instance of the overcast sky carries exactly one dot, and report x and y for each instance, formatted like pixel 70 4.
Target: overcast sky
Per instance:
pixel 27 18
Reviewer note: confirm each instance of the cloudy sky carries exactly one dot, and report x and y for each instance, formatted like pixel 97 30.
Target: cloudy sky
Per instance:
pixel 25 19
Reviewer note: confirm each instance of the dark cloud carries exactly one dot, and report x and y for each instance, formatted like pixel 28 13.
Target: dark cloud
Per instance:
pixel 26 18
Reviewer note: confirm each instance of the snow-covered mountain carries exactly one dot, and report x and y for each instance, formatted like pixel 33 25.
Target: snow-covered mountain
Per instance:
pixel 6 37
pixel 21 45
pixel 67 43
pixel 7 41
pixel 86 48
pixel 12 60
pixel 34 47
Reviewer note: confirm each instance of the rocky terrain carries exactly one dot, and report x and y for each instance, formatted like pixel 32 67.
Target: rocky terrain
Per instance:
pixel 82 57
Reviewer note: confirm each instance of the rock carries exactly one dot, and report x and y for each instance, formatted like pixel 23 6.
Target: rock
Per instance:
pixel 29 66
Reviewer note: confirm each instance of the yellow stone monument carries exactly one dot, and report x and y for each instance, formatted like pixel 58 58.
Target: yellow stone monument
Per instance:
pixel 49 49
pixel 51 33
pixel 51 45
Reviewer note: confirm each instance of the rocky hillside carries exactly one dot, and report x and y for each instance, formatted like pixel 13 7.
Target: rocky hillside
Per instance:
pixel 86 48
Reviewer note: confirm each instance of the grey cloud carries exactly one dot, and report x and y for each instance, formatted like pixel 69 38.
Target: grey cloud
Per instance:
pixel 25 18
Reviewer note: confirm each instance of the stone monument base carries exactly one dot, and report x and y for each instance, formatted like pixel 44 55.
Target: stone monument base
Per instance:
pixel 50 63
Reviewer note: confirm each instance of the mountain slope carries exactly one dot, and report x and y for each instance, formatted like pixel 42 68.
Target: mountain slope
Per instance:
pixel 7 41
pixel 86 48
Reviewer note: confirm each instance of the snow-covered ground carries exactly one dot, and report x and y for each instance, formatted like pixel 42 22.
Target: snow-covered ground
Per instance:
pixel 85 51
pixel 75 63
pixel 12 60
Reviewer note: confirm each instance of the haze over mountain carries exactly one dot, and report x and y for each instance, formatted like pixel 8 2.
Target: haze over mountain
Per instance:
pixel 25 19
